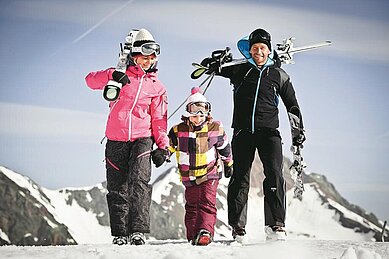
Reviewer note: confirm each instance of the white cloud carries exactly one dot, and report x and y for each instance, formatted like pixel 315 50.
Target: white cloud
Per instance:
pixel 48 123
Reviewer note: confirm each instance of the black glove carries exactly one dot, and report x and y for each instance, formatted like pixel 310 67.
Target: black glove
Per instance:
pixel 217 59
pixel 228 170
pixel 223 55
pixel 212 64
pixel 298 138
pixel 159 156
pixel 120 77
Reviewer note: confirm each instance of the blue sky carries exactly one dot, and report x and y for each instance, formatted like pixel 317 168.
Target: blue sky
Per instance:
pixel 51 123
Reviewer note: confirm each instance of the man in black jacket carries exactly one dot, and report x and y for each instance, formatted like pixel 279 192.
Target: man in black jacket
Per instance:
pixel 258 84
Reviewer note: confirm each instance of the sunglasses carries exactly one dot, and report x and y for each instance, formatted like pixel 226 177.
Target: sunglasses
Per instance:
pixel 147 49
pixel 196 108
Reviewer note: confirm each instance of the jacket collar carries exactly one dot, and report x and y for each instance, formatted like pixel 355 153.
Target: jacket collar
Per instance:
pixel 136 70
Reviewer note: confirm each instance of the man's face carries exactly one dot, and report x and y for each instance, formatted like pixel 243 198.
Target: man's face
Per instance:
pixel 259 52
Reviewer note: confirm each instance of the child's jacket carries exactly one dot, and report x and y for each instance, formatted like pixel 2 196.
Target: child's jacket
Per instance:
pixel 141 109
pixel 198 150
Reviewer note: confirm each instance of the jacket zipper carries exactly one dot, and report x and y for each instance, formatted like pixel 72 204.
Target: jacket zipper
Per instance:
pixel 255 101
pixel 133 106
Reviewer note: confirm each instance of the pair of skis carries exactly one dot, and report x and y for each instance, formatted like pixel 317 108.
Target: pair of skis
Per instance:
pixel 285 52
pixel 298 165
pixel 297 171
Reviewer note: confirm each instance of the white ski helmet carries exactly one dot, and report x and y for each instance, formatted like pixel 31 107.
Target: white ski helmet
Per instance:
pixel 196 104
pixel 144 44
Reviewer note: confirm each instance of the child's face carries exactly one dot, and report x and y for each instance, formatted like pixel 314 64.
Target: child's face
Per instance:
pixel 197 120
pixel 145 61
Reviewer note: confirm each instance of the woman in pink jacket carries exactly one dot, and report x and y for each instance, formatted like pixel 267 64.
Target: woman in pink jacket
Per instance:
pixel 137 119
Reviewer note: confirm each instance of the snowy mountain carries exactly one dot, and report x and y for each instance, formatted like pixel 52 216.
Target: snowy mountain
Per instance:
pixel 34 215
pixel 322 214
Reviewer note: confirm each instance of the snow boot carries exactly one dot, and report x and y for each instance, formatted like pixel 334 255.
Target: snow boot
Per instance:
pixel 274 233
pixel 120 240
pixel 238 234
pixel 203 238
pixel 238 231
pixel 137 238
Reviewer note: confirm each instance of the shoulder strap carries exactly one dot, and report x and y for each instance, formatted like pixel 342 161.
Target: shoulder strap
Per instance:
pixel 241 76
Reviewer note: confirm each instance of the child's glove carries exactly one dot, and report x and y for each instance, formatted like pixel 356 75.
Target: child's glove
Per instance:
pixel 120 77
pixel 228 170
pixel 159 156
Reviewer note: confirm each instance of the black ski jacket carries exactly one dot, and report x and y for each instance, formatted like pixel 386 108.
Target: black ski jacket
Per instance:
pixel 257 92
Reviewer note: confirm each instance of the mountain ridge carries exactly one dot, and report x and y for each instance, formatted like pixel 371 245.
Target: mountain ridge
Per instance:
pixel 80 215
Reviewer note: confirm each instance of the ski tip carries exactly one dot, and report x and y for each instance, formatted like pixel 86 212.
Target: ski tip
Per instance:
pixel 197 65
pixel 198 73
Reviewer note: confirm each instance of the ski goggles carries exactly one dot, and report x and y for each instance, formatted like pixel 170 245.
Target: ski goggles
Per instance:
pixel 197 108
pixel 259 35
pixel 147 49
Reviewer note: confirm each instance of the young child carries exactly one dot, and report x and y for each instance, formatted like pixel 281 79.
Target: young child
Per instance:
pixel 137 119
pixel 200 143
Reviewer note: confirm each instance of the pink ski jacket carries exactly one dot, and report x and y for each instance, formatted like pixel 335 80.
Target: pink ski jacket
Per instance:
pixel 141 109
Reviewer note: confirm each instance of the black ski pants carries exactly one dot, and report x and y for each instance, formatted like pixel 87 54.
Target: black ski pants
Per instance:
pixel 128 167
pixel 268 143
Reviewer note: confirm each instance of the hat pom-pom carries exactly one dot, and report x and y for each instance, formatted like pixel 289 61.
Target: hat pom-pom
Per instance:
pixel 196 90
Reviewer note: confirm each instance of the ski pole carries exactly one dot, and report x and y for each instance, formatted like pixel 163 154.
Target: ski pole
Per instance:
pixel 209 83
pixel 383 232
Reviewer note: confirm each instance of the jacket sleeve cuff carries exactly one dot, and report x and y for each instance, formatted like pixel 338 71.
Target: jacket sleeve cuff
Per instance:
pixel 229 164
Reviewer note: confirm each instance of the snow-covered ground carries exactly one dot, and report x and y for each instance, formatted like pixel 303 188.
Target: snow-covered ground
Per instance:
pixel 313 232
pixel 175 249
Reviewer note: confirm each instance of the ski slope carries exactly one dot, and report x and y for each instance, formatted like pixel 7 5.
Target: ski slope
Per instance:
pixel 174 249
